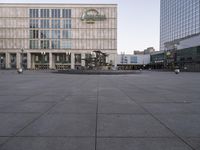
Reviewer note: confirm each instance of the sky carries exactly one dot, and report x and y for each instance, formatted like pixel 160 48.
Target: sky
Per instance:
pixel 138 21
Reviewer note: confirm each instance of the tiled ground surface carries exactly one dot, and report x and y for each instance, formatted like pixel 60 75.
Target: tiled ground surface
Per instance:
pixel 148 111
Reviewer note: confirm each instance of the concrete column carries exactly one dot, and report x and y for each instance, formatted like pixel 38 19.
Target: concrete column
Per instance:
pixel 7 60
pixel 28 60
pixel 53 62
pixel 72 61
pixel 33 61
pixel 18 60
pixel 50 61
pixel 83 61
pixel 115 61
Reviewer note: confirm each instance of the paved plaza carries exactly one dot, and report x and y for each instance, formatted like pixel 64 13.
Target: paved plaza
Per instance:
pixel 147 111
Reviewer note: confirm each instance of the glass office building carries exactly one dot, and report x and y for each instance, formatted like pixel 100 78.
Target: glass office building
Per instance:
pixel 179 19
pixel 56 36
pixel 180 33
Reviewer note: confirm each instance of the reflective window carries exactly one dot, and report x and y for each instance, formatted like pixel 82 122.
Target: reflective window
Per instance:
pixel 44 13
pixel 55 44
pixel 44 34
pixel 44 23
pixel 66 44
pixel 33 13
pixel 55 24
pixel 33 44
pixel 67 24
pixel 55 34
pixel 178 19
pixel 34 34
pixel 55 13
pixel 33 23
pixel 66 13
pixel 44 44
pixel 66 34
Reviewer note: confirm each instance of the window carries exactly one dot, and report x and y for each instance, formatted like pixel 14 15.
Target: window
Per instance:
pixel 44 23
pixel 44 44
pixel 44 34
pixel 33 13
pixel 33 23
pixel 44 13
pixel 66 13
pixel 33 44
pixel 55 44
pixel 66 34
pixel 66 44
pixel 67 24
pixel 55 13
pixel 55 34
pixel 133 59
pixel 34 34
pixel 55 24
pixel 77 58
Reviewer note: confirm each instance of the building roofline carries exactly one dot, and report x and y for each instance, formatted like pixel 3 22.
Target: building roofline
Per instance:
pixel 59 4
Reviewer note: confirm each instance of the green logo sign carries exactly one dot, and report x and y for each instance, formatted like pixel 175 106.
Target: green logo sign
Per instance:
pixel 92 15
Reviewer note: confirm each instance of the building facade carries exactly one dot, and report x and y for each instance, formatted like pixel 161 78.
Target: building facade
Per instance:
pixel 178 20
pixel 56 36
pixel 180 33
pixel 131 62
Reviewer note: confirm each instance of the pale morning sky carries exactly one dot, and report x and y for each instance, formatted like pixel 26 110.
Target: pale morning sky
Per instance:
pixel 138 21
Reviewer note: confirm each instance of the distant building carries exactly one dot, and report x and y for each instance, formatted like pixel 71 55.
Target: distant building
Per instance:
pixel 137 52
pixel 157 60
pixel 149 50
pixel 130 62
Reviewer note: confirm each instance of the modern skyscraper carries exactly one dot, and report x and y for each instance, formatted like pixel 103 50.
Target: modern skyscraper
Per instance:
pixel 180 33
pixel 179 19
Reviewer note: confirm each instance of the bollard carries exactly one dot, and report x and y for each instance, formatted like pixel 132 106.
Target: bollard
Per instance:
pixel 177 71
pixel 20 70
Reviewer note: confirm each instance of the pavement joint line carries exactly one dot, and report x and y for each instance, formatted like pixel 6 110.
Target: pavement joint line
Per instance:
pixel 117 137
pixel 97 106
pixel 152 115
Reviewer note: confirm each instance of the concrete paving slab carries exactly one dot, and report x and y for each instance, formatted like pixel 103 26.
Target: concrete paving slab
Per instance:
pixel 3 139
pixel 45 98
pixel 185 125
pixel 111 92
pixel 148 97
pixel 62 125
pixel 79 98
pixel 12 98
pixel 119 106
pixel 118 98
pixel 173 99
pixel 194 142
pixel 26 107
pixel 131 126
pixel 141 144
pixel 76 106
pixel 52 143
pixel 11 123
pixel 173 108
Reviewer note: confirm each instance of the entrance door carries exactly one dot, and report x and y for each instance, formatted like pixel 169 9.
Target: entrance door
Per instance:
pixel 13 61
